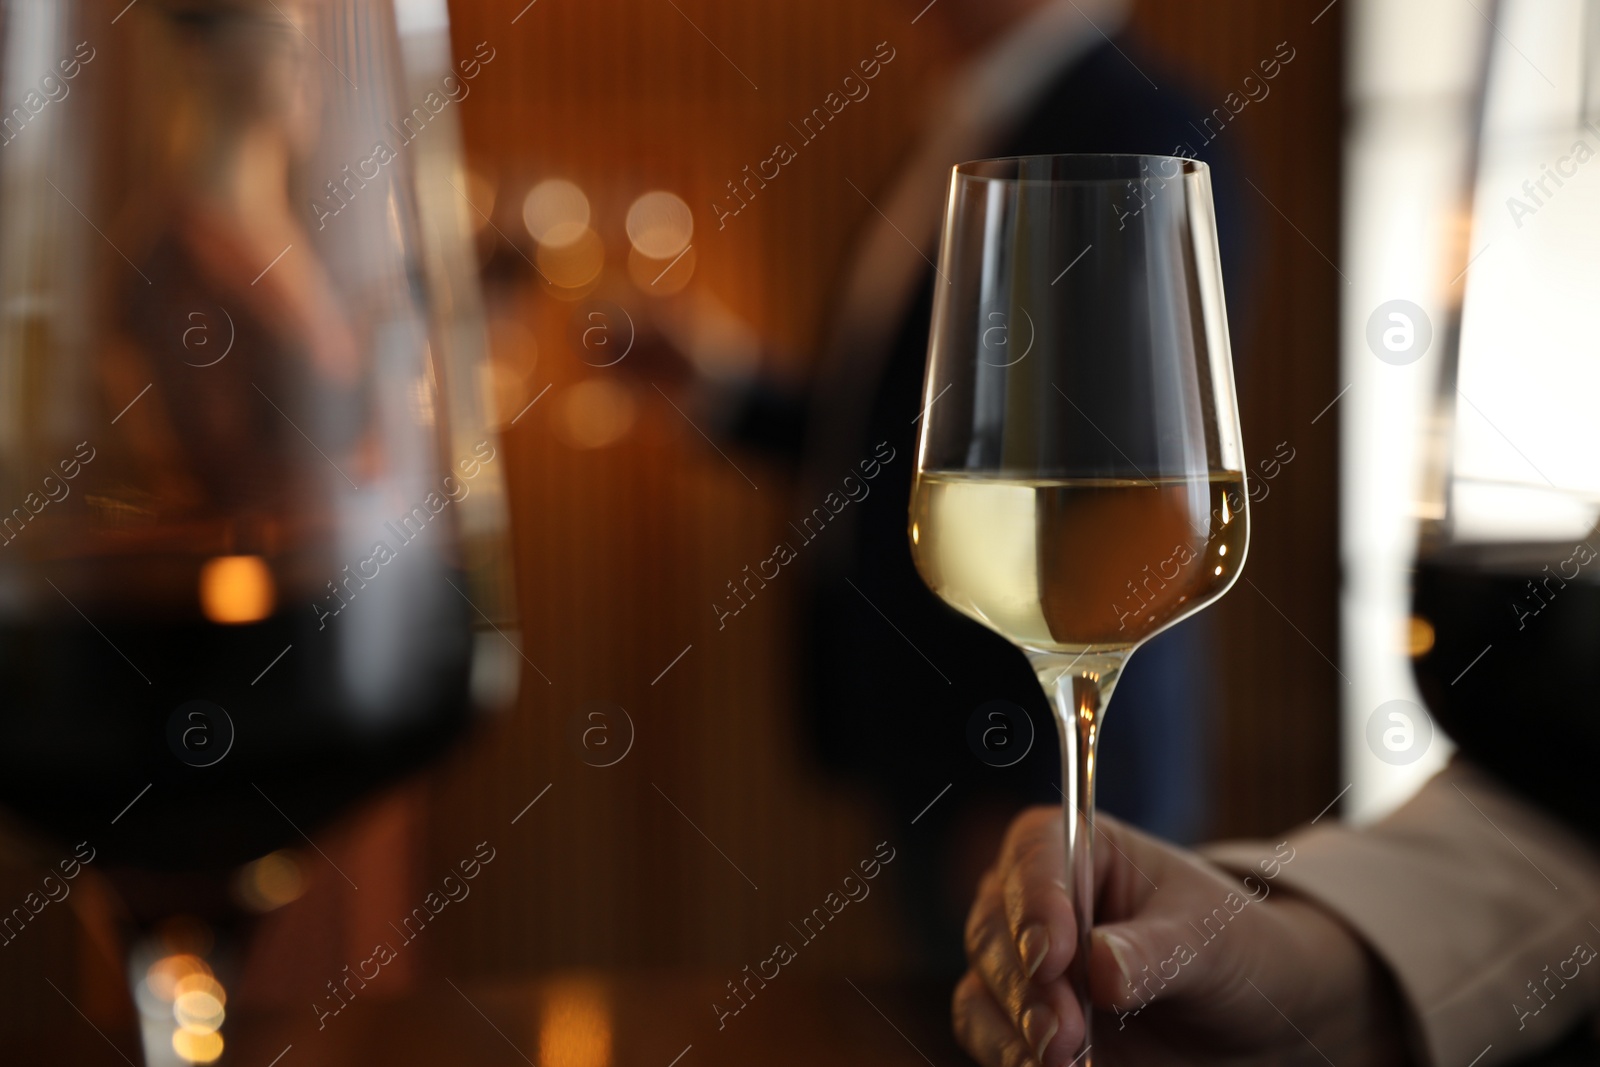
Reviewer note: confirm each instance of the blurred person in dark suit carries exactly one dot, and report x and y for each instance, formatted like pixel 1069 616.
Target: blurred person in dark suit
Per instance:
pixel 894 675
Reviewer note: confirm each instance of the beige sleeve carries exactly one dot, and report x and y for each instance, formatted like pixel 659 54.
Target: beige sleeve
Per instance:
pixel 1484 908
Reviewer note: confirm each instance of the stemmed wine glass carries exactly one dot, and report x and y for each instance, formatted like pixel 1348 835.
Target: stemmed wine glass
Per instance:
pixel 252 516
pixel 1080 480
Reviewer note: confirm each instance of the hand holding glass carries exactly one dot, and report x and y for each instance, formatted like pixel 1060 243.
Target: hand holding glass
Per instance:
pixel 1080 479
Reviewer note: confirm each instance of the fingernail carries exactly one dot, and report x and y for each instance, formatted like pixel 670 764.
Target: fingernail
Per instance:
pixel 1032 946
pixel 1039 1026
pixel 1122 952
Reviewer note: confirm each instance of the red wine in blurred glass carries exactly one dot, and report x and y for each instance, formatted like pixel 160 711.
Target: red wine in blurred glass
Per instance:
pixel 1506 586
pixel 232 367
pixel 1509 663
pixel 84 734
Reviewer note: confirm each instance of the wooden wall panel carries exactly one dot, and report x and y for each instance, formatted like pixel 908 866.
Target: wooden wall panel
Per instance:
pixel 621 550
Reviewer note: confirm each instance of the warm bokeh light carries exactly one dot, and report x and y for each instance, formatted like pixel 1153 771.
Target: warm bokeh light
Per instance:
pixel 1419 637
pixel 186 983
pixel 164 974
pixel 556 213
pixel 596 413
pixel 573 264
pixel 271 881
pixel 575 1027
pixel 200 982
pixel 199 1010
pixel 197 1048
pixel 236 589
pixel 180 993
pixel 660 225
pixel 661 277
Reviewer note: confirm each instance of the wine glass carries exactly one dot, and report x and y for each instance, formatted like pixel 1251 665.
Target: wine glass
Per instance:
pixel 252 538
pixel 1080 480
pixel 1506 583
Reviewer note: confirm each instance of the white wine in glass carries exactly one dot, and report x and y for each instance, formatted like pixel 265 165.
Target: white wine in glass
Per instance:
pixel 1080 480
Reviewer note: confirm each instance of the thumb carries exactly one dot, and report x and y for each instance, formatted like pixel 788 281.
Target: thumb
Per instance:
pixel 1148 893
pixel 1133 963
pixel 1191 940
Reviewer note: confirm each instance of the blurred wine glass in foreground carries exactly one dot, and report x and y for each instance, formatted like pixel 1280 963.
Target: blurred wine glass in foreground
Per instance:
pixel 1080 480
pixel 1506 588
pixel 252 555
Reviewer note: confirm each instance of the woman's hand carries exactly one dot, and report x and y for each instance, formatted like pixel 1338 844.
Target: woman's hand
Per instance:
pixel 1189 964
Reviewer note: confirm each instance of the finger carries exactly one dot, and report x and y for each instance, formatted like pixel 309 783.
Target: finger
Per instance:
pixel 1046 1015
pixel 992 952
pixel 1038 912
pixel 983 1029
pixel 1126 971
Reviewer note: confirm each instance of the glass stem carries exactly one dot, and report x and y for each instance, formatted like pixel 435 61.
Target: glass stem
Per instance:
pixel 1079 688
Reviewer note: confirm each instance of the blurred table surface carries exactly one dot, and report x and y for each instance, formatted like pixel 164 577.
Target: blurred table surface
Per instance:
pixel 574 1019
pixel 620 1020
pixel 658 1018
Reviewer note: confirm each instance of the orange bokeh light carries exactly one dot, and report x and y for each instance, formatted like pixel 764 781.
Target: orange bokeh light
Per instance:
pixel 236 589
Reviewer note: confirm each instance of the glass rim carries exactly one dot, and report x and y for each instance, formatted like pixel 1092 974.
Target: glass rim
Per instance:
pixel 1099 168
